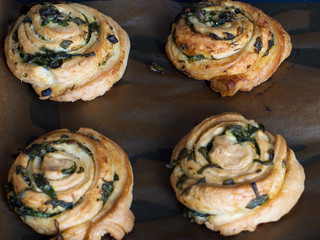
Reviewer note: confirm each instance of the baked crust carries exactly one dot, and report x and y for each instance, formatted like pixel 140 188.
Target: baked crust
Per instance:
pixel 232 175
pixel 67 51
pixel 232 44
pixel 78 185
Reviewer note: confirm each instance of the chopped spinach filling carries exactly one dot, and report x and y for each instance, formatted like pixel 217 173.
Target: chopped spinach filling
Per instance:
pixel 112 39
pixel 81 170
pixel 181 180
pixel 50 13
pixel 189 213
pixel 94 27
pixel 15 36
pixel 23 172
pixel 116 177
pixel 270 44
pixel 205 151
pixel 46 92
pixel 214 19
pixel 188 189
pixel 266 163
pixel 211 165
pixel 77 21
pixel 259 200
pixel 9 187
pixel 258 44
pixel 229 36
pixel 215 36
pixel 224 17
pixel 182 154
pixel 44 185
pixel 228 182
pixel 50 59
pixel 271 154
pixel 284 164
pixel 243 134
pixel 23 210
pixel 70 170
pixel 65 44
pixel 38 150
pixel 15 202
pixel 107 188
pixel 195 58
pixel 94 137
pixel 27 20
pixel 191 156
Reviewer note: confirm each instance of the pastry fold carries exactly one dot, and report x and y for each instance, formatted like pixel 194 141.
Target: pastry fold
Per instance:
pixel 232 44
pixel 67 51
pixel 73 185
pixel 232 175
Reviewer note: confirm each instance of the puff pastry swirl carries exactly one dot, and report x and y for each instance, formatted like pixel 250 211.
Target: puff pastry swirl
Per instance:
pixel 232 44
pixel 232 175
pixel 67 51
pixel 73 185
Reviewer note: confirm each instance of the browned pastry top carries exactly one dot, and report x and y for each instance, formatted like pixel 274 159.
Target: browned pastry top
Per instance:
pixel 234 45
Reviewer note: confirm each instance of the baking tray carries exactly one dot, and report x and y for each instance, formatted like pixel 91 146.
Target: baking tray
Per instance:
pixel 147 113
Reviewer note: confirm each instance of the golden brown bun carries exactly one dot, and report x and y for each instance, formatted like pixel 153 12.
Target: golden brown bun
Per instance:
pixel 67 51
pixel 232 175
pixel 75 184
pixel 234 45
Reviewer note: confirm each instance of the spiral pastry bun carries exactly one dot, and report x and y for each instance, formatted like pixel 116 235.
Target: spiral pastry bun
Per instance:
pixel 73 185
pixel 67 51
pixel 234 45
pixel 232 175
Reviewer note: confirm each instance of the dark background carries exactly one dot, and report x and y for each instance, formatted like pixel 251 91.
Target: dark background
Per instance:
pixel 147 114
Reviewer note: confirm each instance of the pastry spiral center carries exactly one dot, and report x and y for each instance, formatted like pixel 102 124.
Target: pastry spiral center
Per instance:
pixel 54 163
pixel 231 155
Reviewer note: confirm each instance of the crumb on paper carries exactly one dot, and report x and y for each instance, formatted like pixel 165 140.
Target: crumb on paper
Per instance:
pixel 268 109
pixel 154 67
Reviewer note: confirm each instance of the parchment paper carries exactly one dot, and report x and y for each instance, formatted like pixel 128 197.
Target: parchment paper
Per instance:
pixel 147 113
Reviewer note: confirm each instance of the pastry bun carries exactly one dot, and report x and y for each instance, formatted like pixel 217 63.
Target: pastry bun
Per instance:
pixel 67 51
pixel 232 175
pixel 232 44
pixel 73 185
